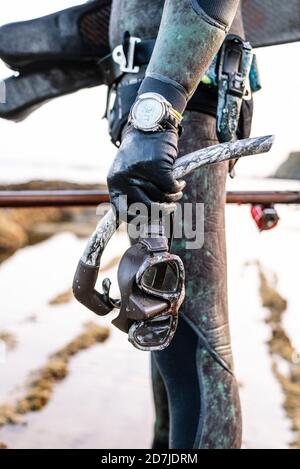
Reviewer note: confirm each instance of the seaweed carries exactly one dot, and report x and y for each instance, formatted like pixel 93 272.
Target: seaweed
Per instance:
pixel 281 347
pixel 42 382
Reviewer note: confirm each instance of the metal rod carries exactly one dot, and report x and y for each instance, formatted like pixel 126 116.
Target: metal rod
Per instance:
pixel 222 152
pixel 52 198
pixel 83 198
pixel 182 167
pixel 263 197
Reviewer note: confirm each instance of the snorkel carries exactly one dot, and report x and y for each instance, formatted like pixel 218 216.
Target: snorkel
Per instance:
pixel 151 280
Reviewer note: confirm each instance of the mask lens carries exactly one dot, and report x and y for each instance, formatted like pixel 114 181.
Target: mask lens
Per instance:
pixel 162 277
pixel 153 333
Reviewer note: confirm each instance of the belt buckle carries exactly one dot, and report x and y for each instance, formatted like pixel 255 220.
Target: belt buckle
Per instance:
pixel 126 63
pixel 235 67
pixel 237 85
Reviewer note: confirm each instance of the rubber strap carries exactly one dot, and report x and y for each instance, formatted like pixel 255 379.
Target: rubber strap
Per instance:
pixel 169 89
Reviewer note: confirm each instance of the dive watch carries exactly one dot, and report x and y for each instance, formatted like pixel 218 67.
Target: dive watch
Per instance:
pixel 152 112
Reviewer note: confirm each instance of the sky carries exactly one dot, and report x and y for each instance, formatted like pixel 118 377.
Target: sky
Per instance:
pixel 68 138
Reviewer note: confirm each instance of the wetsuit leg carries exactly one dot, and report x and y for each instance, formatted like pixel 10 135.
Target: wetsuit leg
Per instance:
pixel 196 369
pixel 197 366
pixel 161 404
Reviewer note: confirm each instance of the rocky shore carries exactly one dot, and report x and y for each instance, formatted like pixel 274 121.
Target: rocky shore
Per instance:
pixel 28 226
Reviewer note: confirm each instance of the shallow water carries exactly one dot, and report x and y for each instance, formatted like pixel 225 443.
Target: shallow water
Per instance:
pixel 106 399
pixel 106 402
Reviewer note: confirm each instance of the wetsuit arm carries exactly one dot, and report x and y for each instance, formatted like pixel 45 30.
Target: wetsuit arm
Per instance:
pixel 191 32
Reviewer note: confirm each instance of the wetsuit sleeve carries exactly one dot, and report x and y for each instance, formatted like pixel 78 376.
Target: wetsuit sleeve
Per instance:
pixel 190 34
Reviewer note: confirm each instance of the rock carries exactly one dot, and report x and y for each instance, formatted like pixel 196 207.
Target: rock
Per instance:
pixel 62 298
pixel 8 415
pixel 290 169
pixel 295 444
pixel 41 386
pixel 40 185
pixel 27 218
pixel 9 339
pixel 17 227
pixel 12 236
pixel 27 226
pixel 280 346
pixel 43 231
pixel 295 377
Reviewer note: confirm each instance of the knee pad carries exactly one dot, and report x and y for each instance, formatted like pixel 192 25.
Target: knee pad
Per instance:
pixel 219 13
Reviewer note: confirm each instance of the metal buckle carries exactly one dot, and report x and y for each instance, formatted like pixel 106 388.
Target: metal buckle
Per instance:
pixel 126 63
pixel 236 85
pixel 234 68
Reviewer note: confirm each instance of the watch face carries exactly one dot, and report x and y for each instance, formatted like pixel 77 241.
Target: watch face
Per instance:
pixel 147 113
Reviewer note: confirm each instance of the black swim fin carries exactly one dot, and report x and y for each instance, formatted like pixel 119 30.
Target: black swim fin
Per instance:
pixel 77 34
pixel 55 55
pixel 27 92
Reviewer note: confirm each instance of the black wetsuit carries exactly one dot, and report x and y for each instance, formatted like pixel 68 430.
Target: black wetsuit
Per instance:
pixel 195 392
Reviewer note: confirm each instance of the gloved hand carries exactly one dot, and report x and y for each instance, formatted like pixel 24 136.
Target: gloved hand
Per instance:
pixel 142 169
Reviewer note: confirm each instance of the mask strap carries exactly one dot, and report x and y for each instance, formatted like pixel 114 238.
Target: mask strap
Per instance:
pixel 170 239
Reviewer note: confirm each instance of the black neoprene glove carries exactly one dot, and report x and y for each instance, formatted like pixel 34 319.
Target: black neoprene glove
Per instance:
pixel 142 169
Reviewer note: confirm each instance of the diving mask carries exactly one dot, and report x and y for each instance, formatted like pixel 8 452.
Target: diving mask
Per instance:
pixel 151 282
